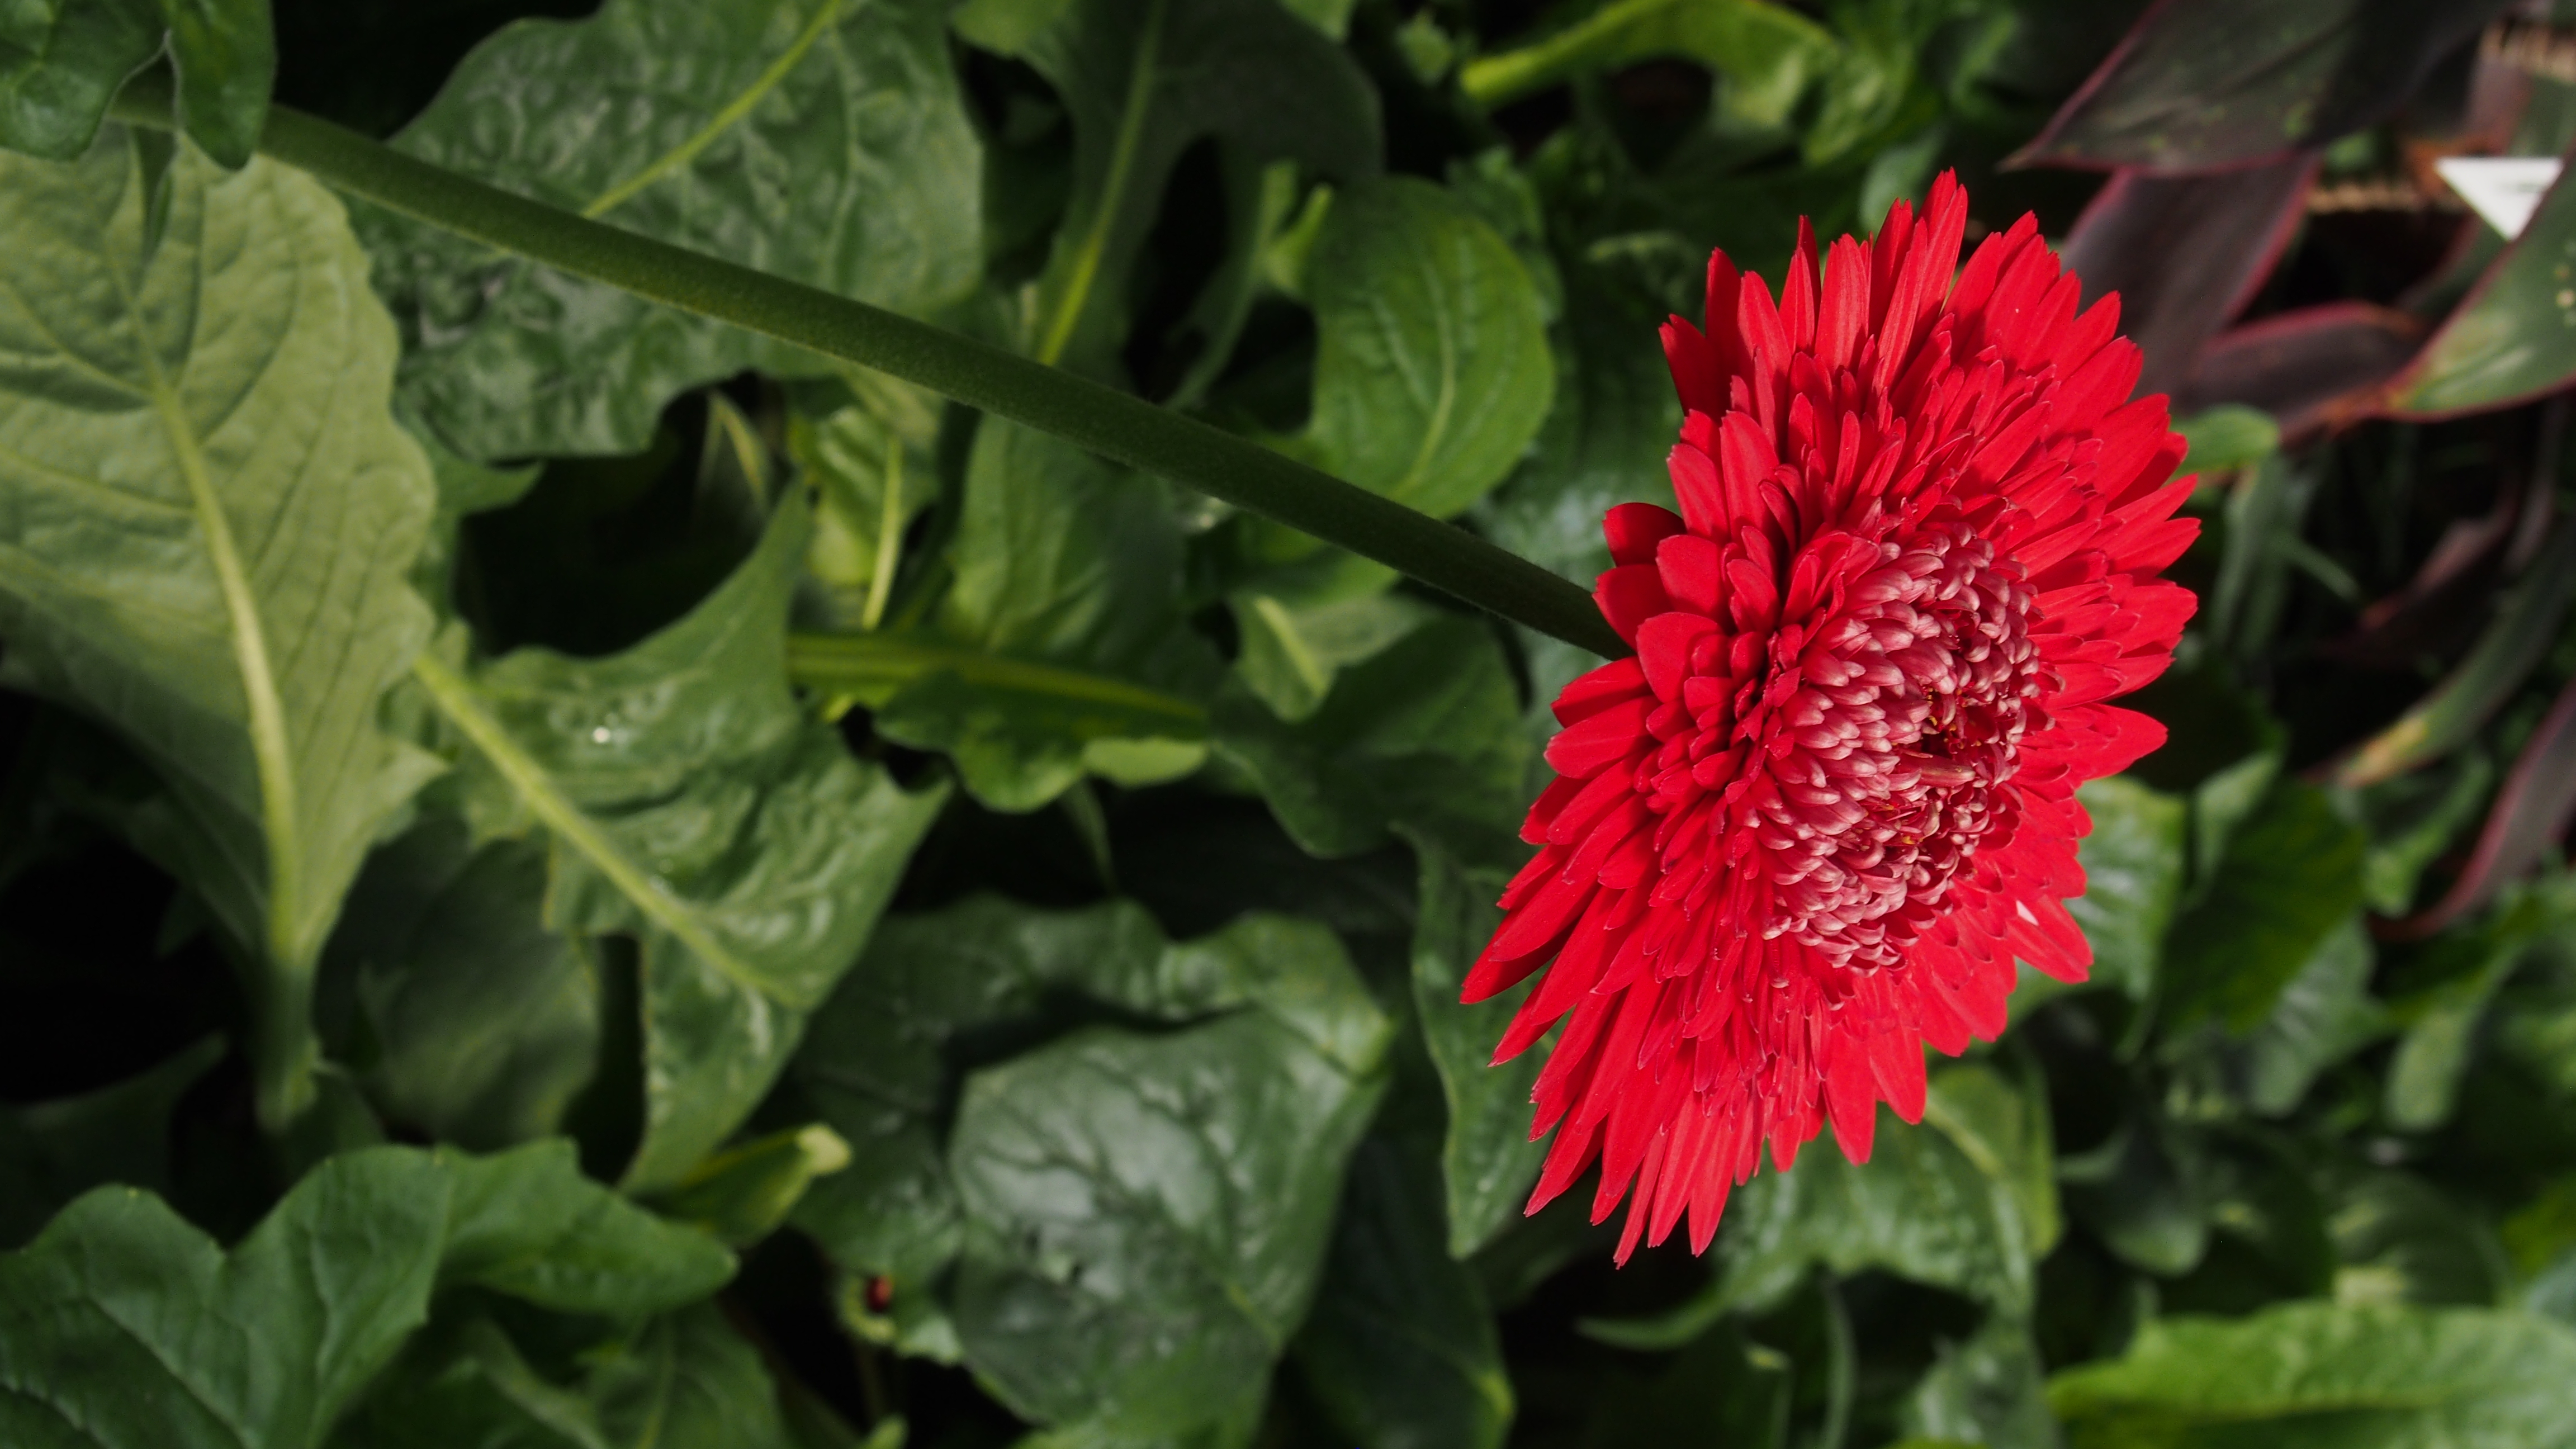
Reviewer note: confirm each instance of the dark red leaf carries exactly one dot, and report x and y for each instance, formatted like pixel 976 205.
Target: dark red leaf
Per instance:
pixel 2185 253
pixel 2203 83
pixel 2309 368
pixel 2530 811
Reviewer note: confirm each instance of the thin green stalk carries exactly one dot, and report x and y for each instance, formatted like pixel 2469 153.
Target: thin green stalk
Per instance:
pixel 1121 428
pixel 1113 191
pixel 872 667
pixel 889 538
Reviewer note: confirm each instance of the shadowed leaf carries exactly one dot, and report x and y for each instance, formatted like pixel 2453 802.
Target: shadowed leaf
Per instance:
pixel 2185 253
pixel 688 799
pixel 2211 83
pixel 820 140
pixel 2309 369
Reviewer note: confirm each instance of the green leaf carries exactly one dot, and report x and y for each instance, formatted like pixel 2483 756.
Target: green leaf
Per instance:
pixel 2143 1193
pixel 1769 54
pixel 2292 877
pixel 1136 1215
pixel 1401 1348
pixel 869 462
pixel 2414 818
pixel 689 800
pixel 687 1382
pixel 1723 1389
pixel 526 1223
pixel 820 140
pixel 1061 647
pixel 741 1194
pixel 122 1327
pixel 1989 1389
pixel 1604 444
pixel 2133 878
pixel 2398 1239
pixel 1432 371
pixel 2002 1126
pixel 1144 80
pixel 1293 650
pixel 2508 340
pixel 2511 646
pixel 1146 1216
pixel 226 58
pixel 62 62
pixel 2444 995
pixel 479 1024
pixel 52 1152
pixel 1426 735
pixel 2229 436
pixel 467 1385
pixel 1487 1161
pixel 207 519
pixel 2323 1015
pixel 1920 1208
pixel 2319 1376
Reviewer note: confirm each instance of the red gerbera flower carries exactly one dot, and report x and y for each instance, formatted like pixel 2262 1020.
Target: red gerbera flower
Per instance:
pixel 1809 825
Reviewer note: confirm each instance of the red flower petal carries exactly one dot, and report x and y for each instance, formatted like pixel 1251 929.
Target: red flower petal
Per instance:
pixel 1808 829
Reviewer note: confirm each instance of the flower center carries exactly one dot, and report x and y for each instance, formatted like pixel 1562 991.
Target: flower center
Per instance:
pixel 1859 760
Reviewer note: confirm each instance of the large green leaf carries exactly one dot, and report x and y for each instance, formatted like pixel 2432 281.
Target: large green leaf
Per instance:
pixel 1487 1160
pixel 820 140
pixel 207 520
pixel 1432 371
pixel 1920 1208
pixel 1425 735
pixel 2209 83
pixel 1061 647
pixel 1923 1207
pixel 479 1024
pixel 1401 1348
pixel 686 1380
pixel 1137 1217
pixel 688 799
pixel 122 1327
pixel 62 62
pixel 2318 1376
pixel 2292 876
pixel 2133 877
pixel 1144 80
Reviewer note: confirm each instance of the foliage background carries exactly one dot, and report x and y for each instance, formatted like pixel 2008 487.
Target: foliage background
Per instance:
pixel 721 900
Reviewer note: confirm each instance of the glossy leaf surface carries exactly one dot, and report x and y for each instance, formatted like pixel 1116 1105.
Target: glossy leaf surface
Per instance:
pixel 210 520
pixel 821 140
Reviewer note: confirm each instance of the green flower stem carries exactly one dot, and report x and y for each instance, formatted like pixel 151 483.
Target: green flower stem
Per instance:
pixel 1116 426
pixel 872 667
